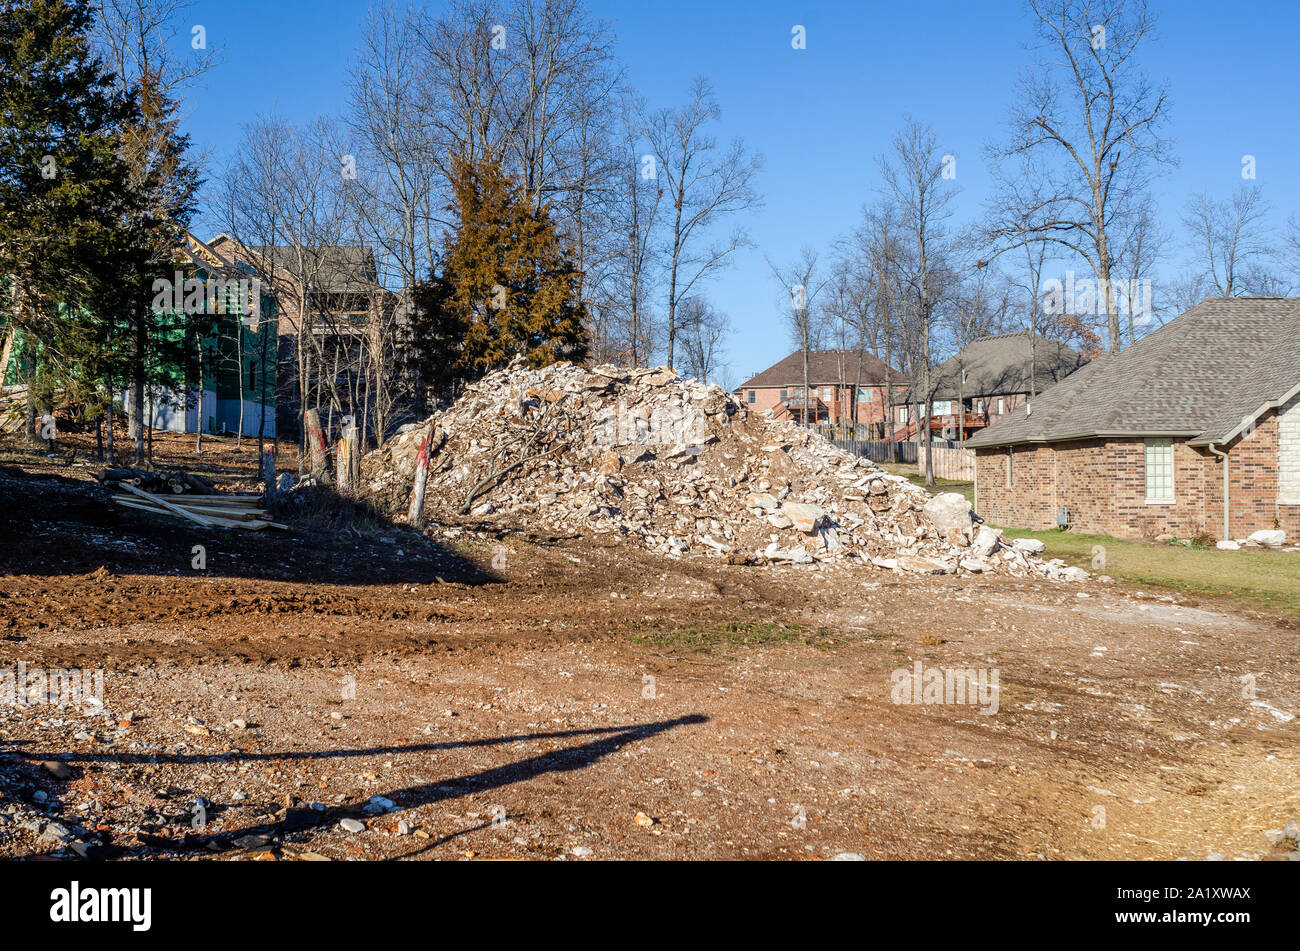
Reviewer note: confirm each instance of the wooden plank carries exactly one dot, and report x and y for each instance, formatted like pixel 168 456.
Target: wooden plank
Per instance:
pixel 193 517
pixel 208 503
pixel 214 511
pixel 253 525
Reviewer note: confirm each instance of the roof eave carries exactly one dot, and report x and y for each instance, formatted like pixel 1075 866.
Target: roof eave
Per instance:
pixel 1247 420
pixel 1075 437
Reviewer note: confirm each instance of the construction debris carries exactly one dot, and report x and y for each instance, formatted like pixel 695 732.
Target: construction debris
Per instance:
pixel 176 483
pixel 210 510
pixel 677 466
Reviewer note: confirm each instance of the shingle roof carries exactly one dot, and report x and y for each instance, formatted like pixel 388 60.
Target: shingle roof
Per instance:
pixel 334 269
pixel 825 367
pixel 1000 364
pixel 1203 375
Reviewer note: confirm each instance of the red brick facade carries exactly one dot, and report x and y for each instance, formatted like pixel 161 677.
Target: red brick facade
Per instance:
pixel 1102 484
pixel 835 397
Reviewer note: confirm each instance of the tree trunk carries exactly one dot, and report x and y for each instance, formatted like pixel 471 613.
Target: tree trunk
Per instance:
pixel 415 513
pixel 137 386
pixel 110 456
pixel 315 439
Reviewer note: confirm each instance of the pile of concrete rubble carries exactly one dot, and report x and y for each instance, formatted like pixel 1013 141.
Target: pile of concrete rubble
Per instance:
pixel 678 466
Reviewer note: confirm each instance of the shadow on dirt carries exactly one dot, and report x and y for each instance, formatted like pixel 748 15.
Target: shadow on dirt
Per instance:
pixel 300 820
pixel 55 525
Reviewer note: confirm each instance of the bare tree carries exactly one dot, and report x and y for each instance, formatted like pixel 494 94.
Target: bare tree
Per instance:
pixel 877 255
pixel 914 181
pixel 1084 135
pixel 704 331
pixel 705 184
pixel 1233 253
pixel 625 285
pixel 1142 248
pixel 801 281
pixel 283 201
pixel 137 38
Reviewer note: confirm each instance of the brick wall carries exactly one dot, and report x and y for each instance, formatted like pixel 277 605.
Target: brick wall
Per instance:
pixel 1103 485
pixel 871 411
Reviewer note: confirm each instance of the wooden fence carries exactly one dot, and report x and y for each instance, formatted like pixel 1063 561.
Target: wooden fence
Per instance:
pixel 955 464
pixel 950 462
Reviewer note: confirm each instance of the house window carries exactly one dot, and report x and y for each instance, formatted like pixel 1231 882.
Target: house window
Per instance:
pixel 1002 406
pixel 1010 478
pixel 752 396
pixel 942 407
pixel 826 393
pixel 864 395
pixel 902 414
pixel 1160 470
pixel 785 394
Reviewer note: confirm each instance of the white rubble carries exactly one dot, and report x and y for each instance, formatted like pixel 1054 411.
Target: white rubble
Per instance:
pixel 643 457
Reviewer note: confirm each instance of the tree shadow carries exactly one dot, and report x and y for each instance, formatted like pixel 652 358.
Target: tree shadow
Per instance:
pixel 298 821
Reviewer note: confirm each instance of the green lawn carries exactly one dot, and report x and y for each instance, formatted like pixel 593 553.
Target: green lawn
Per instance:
pixel 1263 580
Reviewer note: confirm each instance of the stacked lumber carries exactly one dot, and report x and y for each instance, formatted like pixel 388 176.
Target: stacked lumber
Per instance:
pixel 218 510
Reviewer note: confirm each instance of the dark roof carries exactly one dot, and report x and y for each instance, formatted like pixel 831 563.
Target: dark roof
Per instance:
pixel 333 269
pixel 825 367
pixel 1205 375
pixel 999 365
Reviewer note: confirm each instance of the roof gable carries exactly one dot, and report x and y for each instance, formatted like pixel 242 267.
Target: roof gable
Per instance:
pixel 825 368
pixel 1201 375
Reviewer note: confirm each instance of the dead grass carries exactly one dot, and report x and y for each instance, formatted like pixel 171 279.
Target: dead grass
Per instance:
pixel 739 634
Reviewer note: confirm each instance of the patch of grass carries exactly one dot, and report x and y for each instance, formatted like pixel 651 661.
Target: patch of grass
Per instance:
pixel 966 489
pixel 1264 580
pixel 740 634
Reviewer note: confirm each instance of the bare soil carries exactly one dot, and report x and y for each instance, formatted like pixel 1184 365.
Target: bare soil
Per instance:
pixel 532 697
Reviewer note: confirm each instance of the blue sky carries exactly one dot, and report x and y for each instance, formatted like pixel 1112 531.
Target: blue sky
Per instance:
pixel 821 115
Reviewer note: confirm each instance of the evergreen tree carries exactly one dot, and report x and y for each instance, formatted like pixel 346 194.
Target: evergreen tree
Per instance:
pixel 64 186
pixel 94 189
pixel 507 286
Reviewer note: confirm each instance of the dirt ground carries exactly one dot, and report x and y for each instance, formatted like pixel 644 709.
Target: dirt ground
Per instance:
pixel 463 695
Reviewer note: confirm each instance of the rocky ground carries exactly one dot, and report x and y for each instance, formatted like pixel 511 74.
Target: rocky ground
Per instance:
pixel 344 694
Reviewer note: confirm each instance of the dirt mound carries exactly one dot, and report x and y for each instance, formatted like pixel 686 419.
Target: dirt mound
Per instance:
pixel 677 466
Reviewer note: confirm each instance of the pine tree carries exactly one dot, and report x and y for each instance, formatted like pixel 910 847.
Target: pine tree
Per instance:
pixel 94 189
pixel 507 286
pixel 64 186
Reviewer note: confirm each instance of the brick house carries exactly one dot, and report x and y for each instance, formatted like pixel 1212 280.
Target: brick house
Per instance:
pixel 987 379
pixel 1153 439
pixel 833 376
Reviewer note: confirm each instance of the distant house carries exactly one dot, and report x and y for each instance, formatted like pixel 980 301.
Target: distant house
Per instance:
pixel 1195 428
pixel 987 379
pixel 348 309
pixel 839 389
pixel 214 349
